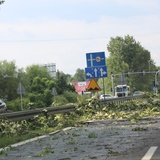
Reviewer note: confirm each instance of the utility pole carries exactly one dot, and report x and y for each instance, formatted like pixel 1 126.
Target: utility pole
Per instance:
pixel 156 82
pixel 149 65
pixel 112 80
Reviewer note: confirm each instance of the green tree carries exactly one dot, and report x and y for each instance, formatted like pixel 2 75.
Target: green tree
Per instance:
pixel 8 80
pixel 41 92
pixel 79 75
pixel 127 55
pixel 61 83
pixel 35 71
pixel 1 2
pixel 39 85
pixel 68 78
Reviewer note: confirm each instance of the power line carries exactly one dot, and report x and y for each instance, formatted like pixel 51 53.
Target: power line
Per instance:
pixel 73 39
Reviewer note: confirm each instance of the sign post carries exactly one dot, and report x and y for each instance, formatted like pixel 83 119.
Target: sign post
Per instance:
pixel 54 92
pixel 93 86
pixel 96 68
pixel 21 90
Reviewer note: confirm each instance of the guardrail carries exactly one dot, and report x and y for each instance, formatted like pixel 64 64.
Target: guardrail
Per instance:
pixel 27 114
pixel 119 99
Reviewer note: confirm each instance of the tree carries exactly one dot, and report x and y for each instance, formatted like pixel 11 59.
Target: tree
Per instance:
pixel 35 71
pixel 61 83
pixel 39 84
pixel 127 55
pixel 41 92
pixel 1 2
pixel 8 80
pixel 79 75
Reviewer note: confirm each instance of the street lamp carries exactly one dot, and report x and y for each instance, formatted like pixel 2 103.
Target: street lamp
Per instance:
pixel 156 83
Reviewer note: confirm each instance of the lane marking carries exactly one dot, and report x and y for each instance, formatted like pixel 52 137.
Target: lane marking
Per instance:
pixel 150 153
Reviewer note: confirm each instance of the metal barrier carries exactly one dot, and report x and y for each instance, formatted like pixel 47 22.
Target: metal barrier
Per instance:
pixel 120 99
pixel 27 114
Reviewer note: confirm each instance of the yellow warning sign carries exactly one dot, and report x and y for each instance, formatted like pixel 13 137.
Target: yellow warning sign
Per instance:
pixel 93 86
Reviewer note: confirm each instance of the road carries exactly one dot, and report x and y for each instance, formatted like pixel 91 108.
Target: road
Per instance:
pixel 96 140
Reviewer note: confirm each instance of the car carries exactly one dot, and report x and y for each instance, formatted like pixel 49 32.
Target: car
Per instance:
pixel 105 96
pixel 3 106
pixel 136 93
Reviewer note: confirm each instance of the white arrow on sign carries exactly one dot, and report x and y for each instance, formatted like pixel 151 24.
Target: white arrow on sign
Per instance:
pixel 89 75
pixel 102 72
pixel 95 72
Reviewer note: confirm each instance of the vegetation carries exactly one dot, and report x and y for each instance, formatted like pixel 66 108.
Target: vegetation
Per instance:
pixel 38 85
pixel 79 76
pixel 126 56
pixel 1 2
pixel 89 109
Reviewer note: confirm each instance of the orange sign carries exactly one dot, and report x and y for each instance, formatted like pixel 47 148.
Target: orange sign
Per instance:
pixel 93 86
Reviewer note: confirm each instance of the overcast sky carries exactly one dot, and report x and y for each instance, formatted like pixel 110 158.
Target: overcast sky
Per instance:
pixel 63 31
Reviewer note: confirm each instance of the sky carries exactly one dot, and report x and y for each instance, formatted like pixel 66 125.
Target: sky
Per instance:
pixel 63 31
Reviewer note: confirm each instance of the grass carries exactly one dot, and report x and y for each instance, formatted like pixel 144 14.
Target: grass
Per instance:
pixel 92 135
pixel 84 113
pixel 6 141
pixel 9 140
pixel 46 150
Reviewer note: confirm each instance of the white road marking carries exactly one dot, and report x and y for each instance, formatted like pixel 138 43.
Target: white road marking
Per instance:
pixel 28 141
pixel 150 153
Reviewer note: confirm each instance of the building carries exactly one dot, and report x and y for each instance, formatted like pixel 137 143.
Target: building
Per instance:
pixel 51 69
pixel 80 87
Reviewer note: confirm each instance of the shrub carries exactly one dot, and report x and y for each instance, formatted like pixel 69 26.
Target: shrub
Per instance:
pixel 59 100
pixel 15 105
pixel 70 96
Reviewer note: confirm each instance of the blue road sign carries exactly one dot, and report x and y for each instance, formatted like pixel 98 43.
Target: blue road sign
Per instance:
pixel 96 72
pixel 95 59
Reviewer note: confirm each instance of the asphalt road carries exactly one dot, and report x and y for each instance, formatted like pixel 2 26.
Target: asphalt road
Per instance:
pixel 98 140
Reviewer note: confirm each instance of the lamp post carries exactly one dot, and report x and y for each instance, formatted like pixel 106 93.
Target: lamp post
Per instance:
pixel 156 83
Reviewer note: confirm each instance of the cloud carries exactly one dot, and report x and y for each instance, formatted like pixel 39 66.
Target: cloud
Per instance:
pixel 139 3
pixel 65 42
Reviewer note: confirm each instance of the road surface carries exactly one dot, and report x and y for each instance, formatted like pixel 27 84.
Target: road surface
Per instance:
pixel 96 140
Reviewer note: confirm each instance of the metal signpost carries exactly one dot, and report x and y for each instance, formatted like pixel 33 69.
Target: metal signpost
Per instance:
pixel 21 90
pixel 54 92
pixel 96 72
pixel 95 59
pixel 132 73
pixel 96 66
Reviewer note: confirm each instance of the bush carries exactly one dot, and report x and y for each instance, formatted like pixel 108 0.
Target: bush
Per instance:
pixel 15 105
pixel 59 100
pixel 70 96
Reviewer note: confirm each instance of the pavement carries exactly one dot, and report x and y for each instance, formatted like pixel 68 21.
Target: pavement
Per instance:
pixel 94 140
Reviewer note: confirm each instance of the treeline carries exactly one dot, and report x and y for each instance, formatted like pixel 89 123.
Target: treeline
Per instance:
pixel 125 56
pixel 38 85
pixel 128 56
